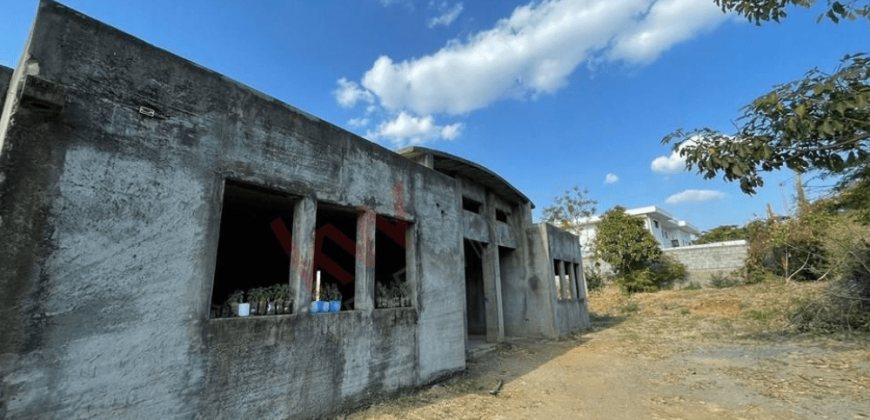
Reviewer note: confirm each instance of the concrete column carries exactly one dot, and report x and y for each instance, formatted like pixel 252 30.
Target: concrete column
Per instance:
pixel 561 275
pixel 364 291
pixel 570 276
pixel 302 254
pixel 581 281
pixel 492 278
pixel 428 160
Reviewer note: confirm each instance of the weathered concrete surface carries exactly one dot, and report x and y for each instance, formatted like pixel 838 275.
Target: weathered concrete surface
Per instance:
pixel 110 219
pixel 5 78
pixel 704 261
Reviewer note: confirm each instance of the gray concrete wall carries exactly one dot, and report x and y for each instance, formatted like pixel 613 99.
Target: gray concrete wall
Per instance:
pixel 532 308
pixel 110 222
pixel 571 312
pixel 5 78
pixel 703 261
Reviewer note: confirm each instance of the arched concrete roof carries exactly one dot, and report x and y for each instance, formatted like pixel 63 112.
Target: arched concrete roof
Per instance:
pixel 454 165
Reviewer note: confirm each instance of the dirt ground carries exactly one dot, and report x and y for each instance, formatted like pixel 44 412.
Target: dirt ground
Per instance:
pixel 691 354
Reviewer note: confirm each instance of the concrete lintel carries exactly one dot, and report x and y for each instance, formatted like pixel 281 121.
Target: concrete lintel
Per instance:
pixel 41 96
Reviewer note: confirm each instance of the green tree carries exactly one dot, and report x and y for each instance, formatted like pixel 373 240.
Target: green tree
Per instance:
pixel 628 246
pixel 767 10
pixel 569 209
pixel 819 122
pixel 722 233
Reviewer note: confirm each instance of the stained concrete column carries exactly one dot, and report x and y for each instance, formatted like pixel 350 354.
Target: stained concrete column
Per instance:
pixel 492 278
pixel 302 254
pixel 364 290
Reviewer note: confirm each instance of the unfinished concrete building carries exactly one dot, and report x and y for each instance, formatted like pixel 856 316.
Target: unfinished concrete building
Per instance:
pixel 138 191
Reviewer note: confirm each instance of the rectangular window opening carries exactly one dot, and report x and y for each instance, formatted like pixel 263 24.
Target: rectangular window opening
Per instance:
pixel 252 265
pixel 471 205
pixel 392 287
pixel 335 255
pixel 656 223
pixel 557 280
pixel 568 281
pixel 501 216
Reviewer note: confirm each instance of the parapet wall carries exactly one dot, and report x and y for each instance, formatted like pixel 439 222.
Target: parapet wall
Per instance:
pixel 703 261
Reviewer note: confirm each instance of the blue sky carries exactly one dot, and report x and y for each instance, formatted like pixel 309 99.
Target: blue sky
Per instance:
pixel 547 94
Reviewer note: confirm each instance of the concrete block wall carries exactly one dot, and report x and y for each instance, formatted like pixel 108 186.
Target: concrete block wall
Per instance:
pixel 704 261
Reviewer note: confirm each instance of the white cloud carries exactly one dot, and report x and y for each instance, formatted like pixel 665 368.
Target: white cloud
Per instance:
pixel 533 52
pixel 358 122
pixel 690 196
pixel 610 178
pixel 447 15
pixel 530 53
pixel 349 93
pixel 670 164
pixel 667 23
pixel 407 129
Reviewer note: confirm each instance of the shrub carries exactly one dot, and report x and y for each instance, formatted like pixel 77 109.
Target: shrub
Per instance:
pixel 722 281
pixel 595 280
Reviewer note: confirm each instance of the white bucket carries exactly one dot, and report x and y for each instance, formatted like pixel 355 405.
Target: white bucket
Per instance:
pixel 244 309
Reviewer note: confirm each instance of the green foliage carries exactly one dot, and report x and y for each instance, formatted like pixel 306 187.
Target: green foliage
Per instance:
pixel 723 281
pixel 791 249
pixel 638 263
pixel 623 242
pixel 595 280
pixel 767 10
pixel 692 286
pixel 722 233
pixel 569 209
pixel 819 122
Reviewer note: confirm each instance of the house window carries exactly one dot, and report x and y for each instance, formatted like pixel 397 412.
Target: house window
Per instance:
pixel 675 243
pixel 471 205
pixel 392 287
pixel 656 223
pixel 250 259
pixel 501 216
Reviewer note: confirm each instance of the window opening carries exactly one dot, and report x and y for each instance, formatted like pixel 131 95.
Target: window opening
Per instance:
pixel 568 281
pixel 675 243
pixel 335 255
pixel 471 205
pixel 501 216
pixel 656 223
pixel 392 288
pixel 557 280
pixel 475 299
pixel 251 265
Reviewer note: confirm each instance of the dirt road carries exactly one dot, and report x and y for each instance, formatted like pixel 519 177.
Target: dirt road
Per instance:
pixel 700 354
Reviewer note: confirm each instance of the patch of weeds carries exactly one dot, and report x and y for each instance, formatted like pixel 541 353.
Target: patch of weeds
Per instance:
pixel 629 308
pixel 723 281
pixel 762 315
pixel 685 311
pixel 693 285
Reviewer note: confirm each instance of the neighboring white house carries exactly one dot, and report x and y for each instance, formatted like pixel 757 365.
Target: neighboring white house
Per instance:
pixel 670 232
